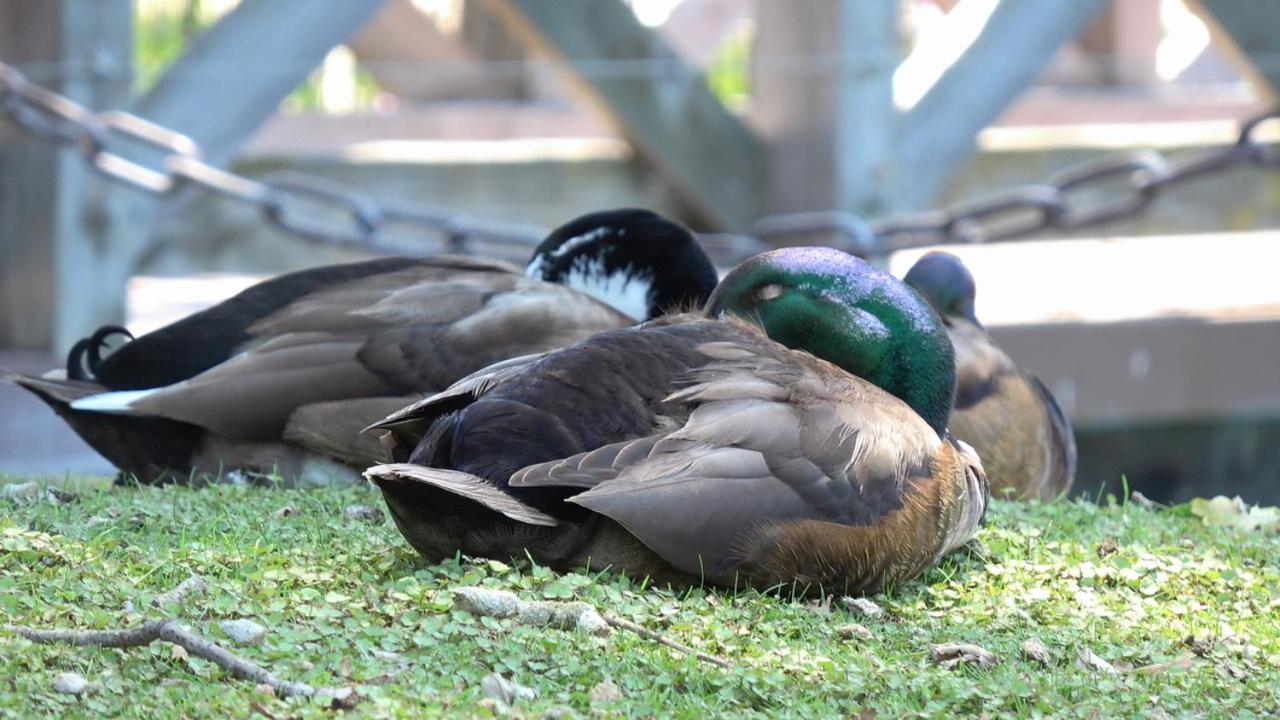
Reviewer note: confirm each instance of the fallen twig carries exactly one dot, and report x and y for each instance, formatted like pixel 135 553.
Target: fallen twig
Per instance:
pixel 949 655
pixel 563 615
pixel 663 639
pixel 503 604
pixel 171 630
pixel 193 585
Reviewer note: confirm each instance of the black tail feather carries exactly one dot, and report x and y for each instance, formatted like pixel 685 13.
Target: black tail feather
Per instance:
pixel 85 357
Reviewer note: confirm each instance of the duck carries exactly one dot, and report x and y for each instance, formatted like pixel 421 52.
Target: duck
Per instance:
pixel 1006 413
pixel 792 433
pixel 277 382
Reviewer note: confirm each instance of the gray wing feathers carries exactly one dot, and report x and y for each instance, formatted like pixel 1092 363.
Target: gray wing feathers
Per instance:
pixel 464 485
pixel 764 441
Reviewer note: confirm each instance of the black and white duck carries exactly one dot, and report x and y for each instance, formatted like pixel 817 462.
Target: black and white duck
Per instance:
pixel 283 376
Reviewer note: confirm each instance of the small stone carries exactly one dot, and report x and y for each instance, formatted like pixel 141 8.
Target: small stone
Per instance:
pixel 344 699
pixel 949 655
pixel 178 653
pixel 364 513
pixel 503 691
pixel 863 606
pixel 243 632
pixel 1200 645
pixel 1094 663
pixel 387 655
pixel 193 585
pixel 854 631
pixel 818 606
pixel 58 496
pixel 285 512
pixel 606 692
pixel 1142 501
pixel 70 683
pixel 1034 649
pixel 1108 546
pixel 590 621
pixel 559 712
pixel 20 493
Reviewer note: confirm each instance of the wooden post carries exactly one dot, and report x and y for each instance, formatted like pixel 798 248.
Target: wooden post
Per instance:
pixel 235 74
pixel 660 102
pixel 56 224
pixel 823 100
pixel 69 241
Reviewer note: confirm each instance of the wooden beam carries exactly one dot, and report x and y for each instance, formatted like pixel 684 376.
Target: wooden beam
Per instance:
pixel 937 134
pixel 235 74
pixel 1245 30
pixel 823 98
pixel 400 40
pixel 72 240
pixel 55 229
pixel 661 104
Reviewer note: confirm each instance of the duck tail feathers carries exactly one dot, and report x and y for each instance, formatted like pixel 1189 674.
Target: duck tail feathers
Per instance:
pixel 119 402
pixel 462 484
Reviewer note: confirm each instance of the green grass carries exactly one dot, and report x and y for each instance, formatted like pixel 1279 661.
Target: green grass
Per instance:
pixel 1132 585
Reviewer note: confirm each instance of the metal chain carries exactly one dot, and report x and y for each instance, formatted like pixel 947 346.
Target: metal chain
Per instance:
pixel 1091 193
pixel 311 208
pixel 1085 195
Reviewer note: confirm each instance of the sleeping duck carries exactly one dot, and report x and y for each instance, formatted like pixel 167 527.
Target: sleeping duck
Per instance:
pixel 792 432
pixel 283 376
pixel 1008 415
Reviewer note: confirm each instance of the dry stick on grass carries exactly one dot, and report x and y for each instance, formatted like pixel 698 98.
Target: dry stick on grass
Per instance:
pixel 170 630
pixel 564 615
pixel 663 639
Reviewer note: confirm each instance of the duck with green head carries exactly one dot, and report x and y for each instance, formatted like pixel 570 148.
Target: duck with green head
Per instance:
pixel 1008 415
pixel 793 432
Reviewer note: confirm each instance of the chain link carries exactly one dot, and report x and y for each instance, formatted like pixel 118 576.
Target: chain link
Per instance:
pixel 1091 193
pixel 307 207
pixel 1094 192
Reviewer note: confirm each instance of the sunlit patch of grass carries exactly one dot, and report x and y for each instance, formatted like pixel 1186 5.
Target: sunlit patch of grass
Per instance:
pixel 338 595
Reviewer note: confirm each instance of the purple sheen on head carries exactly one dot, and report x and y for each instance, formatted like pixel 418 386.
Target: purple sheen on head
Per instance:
pixel 846 278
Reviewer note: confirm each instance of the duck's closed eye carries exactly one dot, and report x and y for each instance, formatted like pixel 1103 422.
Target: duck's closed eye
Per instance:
pixel 769 292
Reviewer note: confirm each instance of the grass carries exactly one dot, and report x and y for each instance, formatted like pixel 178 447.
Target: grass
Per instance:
pixel 1137 587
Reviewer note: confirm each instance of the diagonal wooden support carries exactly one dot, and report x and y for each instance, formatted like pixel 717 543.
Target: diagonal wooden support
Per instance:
pixel 234 76
pixel 78 240
pixel 937 135
pixel 662 104
pixel 1247 29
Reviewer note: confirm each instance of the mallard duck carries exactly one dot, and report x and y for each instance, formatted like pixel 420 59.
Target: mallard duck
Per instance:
pixel 285 375
pixel 1008 415
pixel 793 432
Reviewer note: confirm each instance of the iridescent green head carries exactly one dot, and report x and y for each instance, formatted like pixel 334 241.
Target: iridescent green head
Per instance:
pixel 945 283
pixel 849 313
